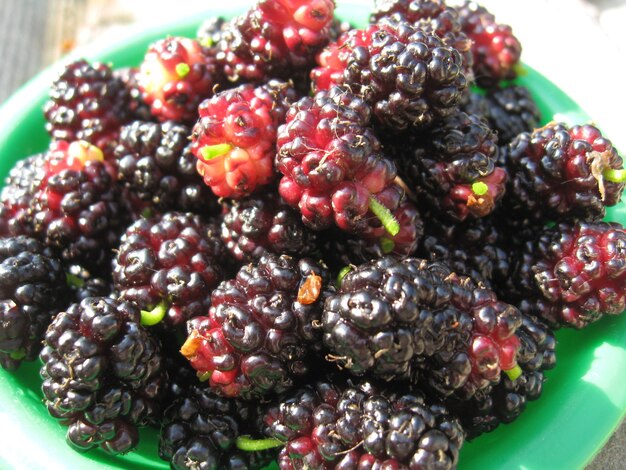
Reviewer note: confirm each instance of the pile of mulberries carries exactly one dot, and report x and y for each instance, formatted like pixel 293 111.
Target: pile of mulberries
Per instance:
pixel 294 240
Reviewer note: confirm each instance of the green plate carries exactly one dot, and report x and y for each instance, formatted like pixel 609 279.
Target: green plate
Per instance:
pixel 584 398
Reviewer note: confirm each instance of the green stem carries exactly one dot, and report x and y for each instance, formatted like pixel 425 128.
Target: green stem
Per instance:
pixel 182 69
pixel 154 316
pixel 385 216
pixel 18 355
pixel 479 188
pixel 73 280
pixel 387 245
pixel 345 270
pixel 614 176
pixel 514 373
pixel 248 444
pixel 209 152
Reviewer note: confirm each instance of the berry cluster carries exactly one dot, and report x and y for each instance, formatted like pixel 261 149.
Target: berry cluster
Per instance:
pixel 293 240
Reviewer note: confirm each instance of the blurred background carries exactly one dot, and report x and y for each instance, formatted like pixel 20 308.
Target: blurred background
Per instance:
pixel 578 44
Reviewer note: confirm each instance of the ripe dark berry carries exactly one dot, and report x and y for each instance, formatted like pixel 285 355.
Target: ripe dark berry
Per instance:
pixel 509 111
pixel 32 290
pixel 262 224
pixel 200 430
pixel 433 16
pixel 259 335
pixel 504 402
pixel 16 196
pixel 77 209
pixel 407 75
pixel 155 163
pixel 87 102
pixel 474 248
pixel 102 374
pixel 167 266
pixel 330 426
pixel 452 168
pixel 562 173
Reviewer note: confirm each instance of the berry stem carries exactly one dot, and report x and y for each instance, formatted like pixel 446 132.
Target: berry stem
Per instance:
pixel 514 373
pixel 345 270
pixel 182 69
pixel 209 152
pixel 73 280
pixel 387 245
pixel 248 444
pixel 479 188
pixel 154 316
pixel 614 176
pixel 385 216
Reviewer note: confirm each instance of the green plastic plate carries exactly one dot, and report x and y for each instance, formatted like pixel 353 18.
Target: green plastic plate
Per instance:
pixel 584 398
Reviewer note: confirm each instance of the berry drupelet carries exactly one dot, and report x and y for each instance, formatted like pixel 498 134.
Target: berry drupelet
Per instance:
pixel 32 290
pixel 496 49
pixel 175 76
pixel 452 168
pixel 562 173
pixel 259 335
pixel 274 39
pixel 235 137
pixel 332 167
pixel 262 224
pixel 209 32
pixel 509 111
pixel 102 374
pixel 407 74
pixel 167 266
pixel 337 426
pixel 573 274
pixel 155 163
pixel 87 102
pixel 16 196
pixel 200 430
pixel 77 209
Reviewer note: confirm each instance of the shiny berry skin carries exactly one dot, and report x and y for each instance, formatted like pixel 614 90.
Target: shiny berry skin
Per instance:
pixel 452 168
pixel 102 374
pixel 16 196
pixel 235 138
pixel 433 16
pixel 262 224
pixel 175 76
